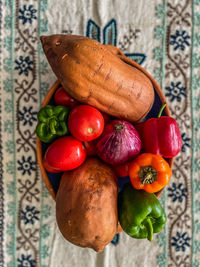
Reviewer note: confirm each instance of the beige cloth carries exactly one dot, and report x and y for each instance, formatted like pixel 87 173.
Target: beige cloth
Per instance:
pixel 161 35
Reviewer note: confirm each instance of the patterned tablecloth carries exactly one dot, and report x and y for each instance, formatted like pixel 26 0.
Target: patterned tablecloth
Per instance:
pixel 161 35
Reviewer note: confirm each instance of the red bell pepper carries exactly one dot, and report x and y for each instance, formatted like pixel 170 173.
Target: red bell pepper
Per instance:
pixel 161 136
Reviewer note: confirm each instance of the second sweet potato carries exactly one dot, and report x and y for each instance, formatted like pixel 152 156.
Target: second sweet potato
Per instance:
pixel 86 205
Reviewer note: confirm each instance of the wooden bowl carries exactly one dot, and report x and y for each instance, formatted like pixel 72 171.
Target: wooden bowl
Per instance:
pixel 52 180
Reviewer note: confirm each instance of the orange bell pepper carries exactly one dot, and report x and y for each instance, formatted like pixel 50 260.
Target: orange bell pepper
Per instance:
pixel 149 172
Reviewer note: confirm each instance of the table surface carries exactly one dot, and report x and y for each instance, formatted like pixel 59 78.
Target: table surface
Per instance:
pixel 161 35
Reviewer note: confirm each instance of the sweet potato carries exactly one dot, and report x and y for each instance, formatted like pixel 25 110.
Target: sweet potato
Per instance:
pixel 100 75
pixel 86 205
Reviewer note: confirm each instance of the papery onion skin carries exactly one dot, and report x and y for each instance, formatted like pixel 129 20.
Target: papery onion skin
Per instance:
pixel 119 143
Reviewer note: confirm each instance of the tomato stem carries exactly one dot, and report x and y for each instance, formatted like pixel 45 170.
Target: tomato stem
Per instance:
pixel 90 130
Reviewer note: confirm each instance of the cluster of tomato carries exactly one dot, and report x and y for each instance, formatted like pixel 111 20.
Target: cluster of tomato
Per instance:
pixel 85 124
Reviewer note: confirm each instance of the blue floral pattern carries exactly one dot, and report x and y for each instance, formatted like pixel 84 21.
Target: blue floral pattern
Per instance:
pixel 27 116
pixel 27 14
pixel 110 37
pixel 24 65
pixel 115 240
pixel 93 30
pixel 26 261
pixel 138 57
pixel 26 165
pixel 176 91
pixel 179 40
pixel 30 215
pixel 185 142
pixel 181 241
pixel 177 192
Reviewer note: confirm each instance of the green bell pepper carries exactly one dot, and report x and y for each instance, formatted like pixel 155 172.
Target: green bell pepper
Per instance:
pixel 140 213
pixel 52 122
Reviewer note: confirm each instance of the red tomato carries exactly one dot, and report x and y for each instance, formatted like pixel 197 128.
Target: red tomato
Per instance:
pixel 85 123
pixel 90 147
pixel 66 153
pixel 106 117
pixel 47 167
pixel 122 170
pixel 62 98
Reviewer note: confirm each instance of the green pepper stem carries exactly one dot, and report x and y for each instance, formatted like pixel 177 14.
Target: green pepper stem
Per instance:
pixel 149 229
pixel 52 125
pixel 161 110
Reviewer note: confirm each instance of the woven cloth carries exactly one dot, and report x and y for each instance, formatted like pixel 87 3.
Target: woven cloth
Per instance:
pixel 161 35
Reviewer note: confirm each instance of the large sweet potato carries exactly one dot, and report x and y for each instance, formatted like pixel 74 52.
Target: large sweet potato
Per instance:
pixel 86 205
pixel 99 75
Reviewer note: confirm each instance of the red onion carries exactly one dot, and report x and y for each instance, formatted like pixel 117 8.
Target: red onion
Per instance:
pixel 119 142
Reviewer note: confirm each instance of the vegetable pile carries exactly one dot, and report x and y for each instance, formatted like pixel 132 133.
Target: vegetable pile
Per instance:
pixel 94 140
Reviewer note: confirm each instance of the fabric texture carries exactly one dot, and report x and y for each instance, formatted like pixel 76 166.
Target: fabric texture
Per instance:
pixel 161 35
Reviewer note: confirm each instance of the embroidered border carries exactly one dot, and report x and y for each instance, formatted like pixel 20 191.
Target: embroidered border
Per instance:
pixel 9 127
pixel 195 100
pixel 1 161
pixel 176 90
pixel 13 134
pixel 193 130
pixel 43 77
pixel 159 75
pixel 28 188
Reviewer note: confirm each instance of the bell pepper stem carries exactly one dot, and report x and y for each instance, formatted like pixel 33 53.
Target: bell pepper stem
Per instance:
pixel 149 229
pixel 52 126
pixel 161 110
pixel 147 175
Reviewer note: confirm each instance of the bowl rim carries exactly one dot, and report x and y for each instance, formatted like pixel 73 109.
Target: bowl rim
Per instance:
pixel 49 95
pixel 45 102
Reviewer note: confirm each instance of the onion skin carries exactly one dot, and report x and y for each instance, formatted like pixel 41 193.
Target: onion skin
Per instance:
pixel 119 143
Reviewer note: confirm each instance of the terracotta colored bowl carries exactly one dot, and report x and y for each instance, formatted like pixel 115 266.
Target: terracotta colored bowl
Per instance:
pixel 51 179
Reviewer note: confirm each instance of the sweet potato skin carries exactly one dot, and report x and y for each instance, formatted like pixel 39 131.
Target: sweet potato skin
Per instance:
pixel 97 75
pixel 86 205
